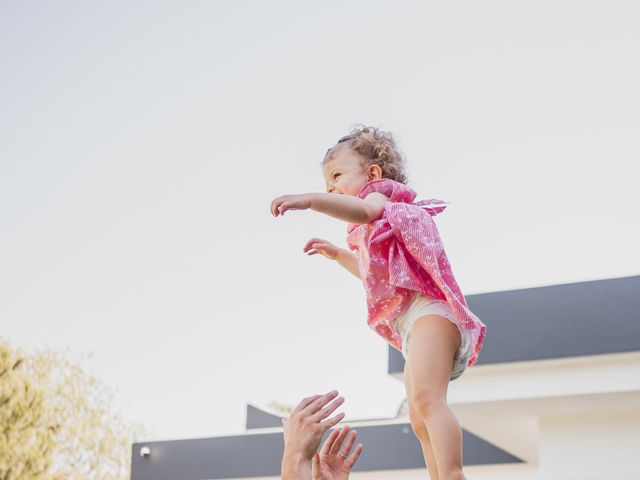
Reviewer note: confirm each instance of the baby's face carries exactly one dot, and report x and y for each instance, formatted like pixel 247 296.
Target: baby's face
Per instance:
pixel 344 172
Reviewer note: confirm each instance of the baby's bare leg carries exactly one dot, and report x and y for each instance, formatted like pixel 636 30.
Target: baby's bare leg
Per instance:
pixel 434 342
pixel 420 429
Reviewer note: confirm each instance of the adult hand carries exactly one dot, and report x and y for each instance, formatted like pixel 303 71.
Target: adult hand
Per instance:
pixel 303 432
pixel 290 202
pixel 334 462
pixel 323 247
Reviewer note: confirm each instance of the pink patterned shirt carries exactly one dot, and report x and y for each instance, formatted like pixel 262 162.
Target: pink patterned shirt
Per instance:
pixel 401 253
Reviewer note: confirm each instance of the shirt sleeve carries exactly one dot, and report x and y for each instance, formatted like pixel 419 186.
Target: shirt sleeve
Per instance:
pixel 396 191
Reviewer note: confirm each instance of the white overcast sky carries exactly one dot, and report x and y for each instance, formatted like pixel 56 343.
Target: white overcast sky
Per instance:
pixel 141 143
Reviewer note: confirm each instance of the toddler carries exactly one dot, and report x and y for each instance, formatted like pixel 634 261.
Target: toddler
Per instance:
pixel 413 300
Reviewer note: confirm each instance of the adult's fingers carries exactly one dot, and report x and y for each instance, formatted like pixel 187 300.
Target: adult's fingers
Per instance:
pixel 337 444
pixel 327 424
pixel 350 441
pixel 305 402
pixel 353 458
pixel 327 410
pixel 320 402
pixel 327 447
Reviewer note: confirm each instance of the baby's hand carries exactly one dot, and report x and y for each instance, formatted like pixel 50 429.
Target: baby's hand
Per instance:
pixel 324 248
pixel 290 202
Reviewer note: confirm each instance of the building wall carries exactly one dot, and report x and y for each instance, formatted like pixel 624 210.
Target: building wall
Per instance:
pixel 591 446
pixel 566 408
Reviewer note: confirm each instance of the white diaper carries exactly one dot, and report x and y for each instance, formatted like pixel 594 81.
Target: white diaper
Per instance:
pixel 420 306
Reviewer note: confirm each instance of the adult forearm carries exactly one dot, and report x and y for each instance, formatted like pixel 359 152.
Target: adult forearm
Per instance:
pixel 343 207
pixel 349 261
pixel 295 467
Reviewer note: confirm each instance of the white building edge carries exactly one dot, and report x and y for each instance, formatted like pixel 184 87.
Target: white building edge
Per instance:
pixel 555 395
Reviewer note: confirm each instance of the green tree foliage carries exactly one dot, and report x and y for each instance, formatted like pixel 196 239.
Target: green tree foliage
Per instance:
pixel 59 422
pixel 26 440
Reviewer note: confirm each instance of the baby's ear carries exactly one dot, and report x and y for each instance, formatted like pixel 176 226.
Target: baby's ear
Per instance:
pixel 375 172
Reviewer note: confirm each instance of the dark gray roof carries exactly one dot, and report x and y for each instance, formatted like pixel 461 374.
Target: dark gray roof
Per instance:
pixel 258 418
pixel 575 319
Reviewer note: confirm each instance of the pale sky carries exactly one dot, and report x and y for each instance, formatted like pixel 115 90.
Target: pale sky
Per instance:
pixel 142 142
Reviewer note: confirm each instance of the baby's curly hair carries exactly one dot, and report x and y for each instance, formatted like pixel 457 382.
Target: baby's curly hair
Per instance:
pixel 375 146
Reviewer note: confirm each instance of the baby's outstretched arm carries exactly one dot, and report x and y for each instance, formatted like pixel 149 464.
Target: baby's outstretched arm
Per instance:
pixel 343 207
pixel 345 258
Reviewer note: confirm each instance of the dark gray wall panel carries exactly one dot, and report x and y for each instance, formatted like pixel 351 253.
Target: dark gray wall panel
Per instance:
pixel 220 457
pixel 395 447
pixel 386 447
pixel 586 318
